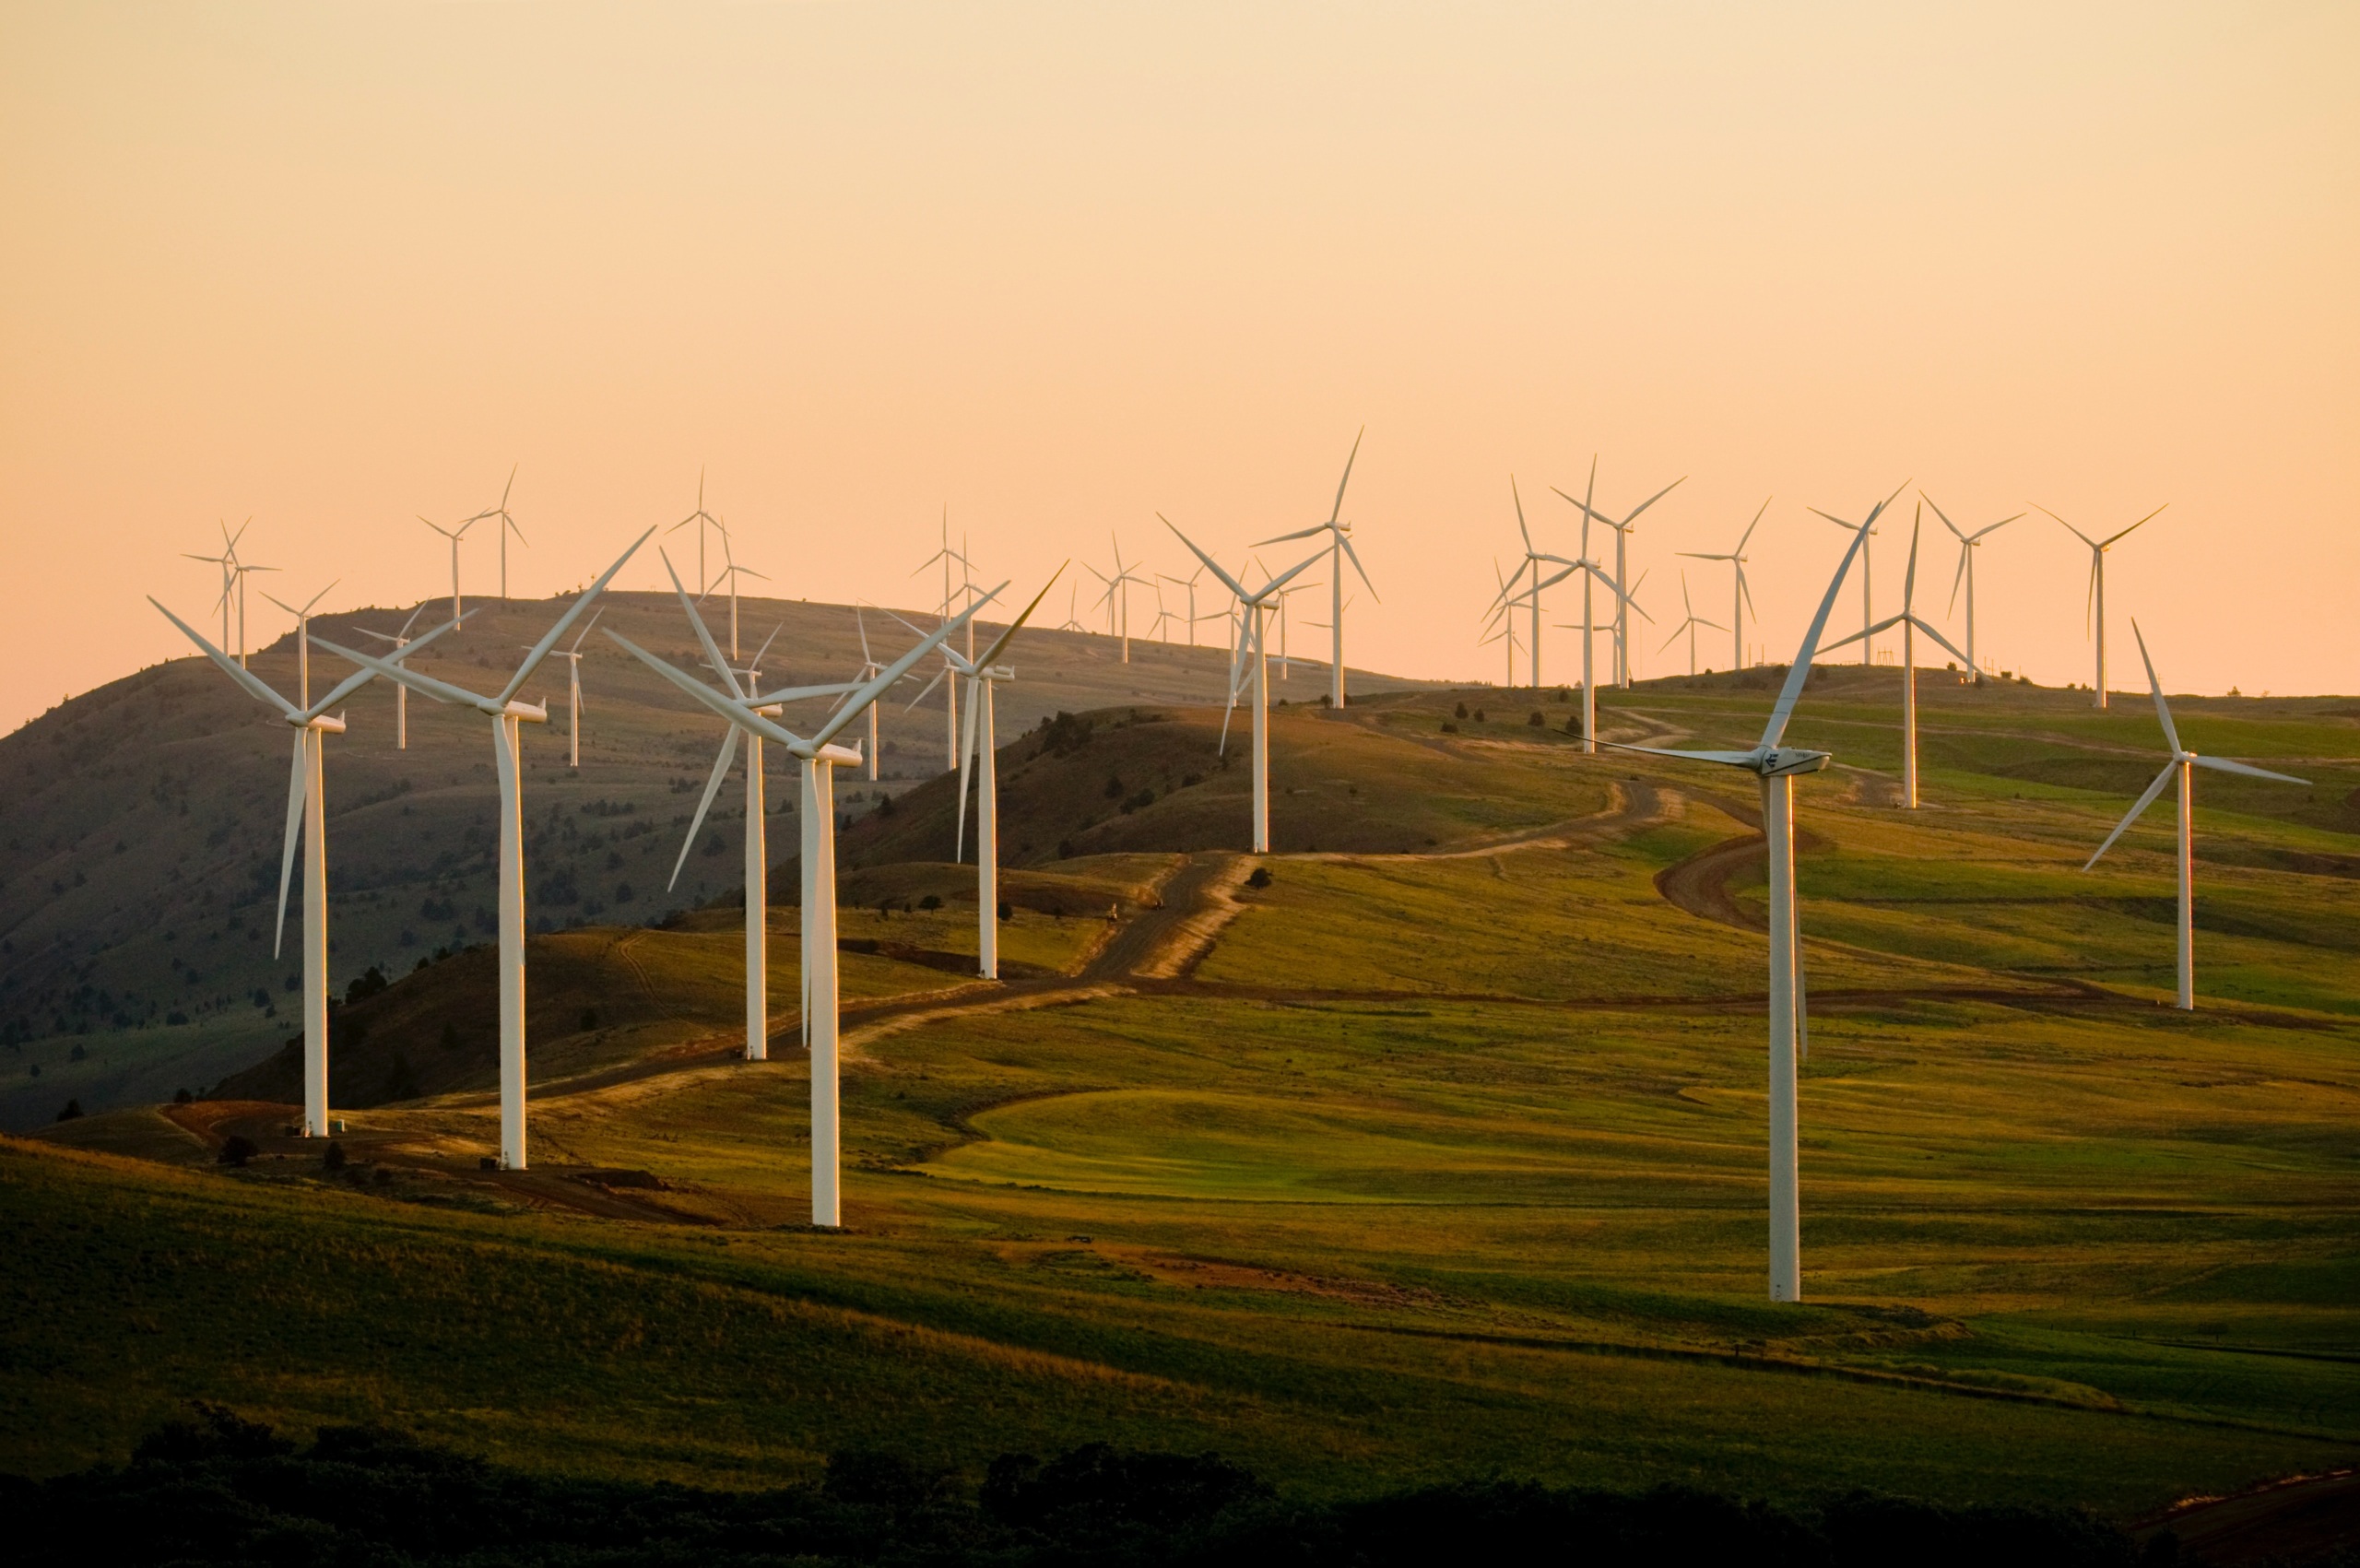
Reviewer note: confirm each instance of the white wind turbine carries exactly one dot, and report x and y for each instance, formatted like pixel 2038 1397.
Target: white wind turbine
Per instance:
pixel 1690 625
pixel 732 571
pixel 573 657
pixel 1911 623
pixel 1741 596
pixel 2097 588
pixel 1339 545
pixel 1117 597
pixel 946 555
pixel 1967 545
pixel 2182 767
pixel 1593 573
pixel 981 746
pixel 818 756
pixel 745 688
pixel 1188 583
pixel 1253 615
pixel 1776 764
pixel 306 816
pixel 398 640
pixel 457 612
pixel 507 712
pixel 507 525
pixel 703 520
pixel 1621 565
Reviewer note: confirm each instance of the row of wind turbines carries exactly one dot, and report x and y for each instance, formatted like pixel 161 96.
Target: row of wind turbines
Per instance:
pixel 752 714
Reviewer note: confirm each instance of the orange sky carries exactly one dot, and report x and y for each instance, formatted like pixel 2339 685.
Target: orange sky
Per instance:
pixel 1061 266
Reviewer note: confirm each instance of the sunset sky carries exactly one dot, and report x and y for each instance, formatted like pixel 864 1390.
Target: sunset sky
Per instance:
pixel 1061 266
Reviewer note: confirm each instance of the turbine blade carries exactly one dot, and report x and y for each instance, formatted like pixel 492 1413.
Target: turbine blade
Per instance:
pixel 2132 815
pixel 898 668
pixel 574 613
pixel 2163 710
pixel 245 677
pixel 295 792
pixel 712 787
pixel 736 712
pixel 1799 671
pixel 2246 769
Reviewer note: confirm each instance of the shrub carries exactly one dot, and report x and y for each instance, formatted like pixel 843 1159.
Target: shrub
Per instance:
pixel 238 1150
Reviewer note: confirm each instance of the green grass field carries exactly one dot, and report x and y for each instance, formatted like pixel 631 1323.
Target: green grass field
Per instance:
pixel 1443 1161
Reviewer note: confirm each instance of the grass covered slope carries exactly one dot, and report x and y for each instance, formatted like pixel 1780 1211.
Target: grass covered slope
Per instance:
pixel 1414 1166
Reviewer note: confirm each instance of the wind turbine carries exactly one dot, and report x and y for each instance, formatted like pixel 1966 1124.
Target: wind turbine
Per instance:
pixel 981 745
pixel 1967 544
pixel 732 571
pixel 1253 614
pixel 2182 767
pixel 1868 576
pixel 573 657
pixel 1340 545
pixel 507 712
pixel 401 693
pixel 1740 597
pixel 1593 573
pixel 2097 587
pixel 744 688
pixel 950 687
pixel 818 758
pixel 1622 565
pixel 306 818
pixel 1117 597
pixel 1776 764
pixel 869 667
pixel 1189 583
pixel 454 534
pixel 507 526
pixel 1690 625
pixel 1911 623
pixel 703 519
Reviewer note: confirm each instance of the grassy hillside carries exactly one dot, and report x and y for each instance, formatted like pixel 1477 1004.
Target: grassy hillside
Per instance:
pixel 1416 1161
pixel 142 824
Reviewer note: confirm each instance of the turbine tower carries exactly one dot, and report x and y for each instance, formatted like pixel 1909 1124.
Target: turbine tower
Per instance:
pixel 2182 767
pixel 1911 623
pixel 2098 589
pixel 1621 527
pixel 1253 615
pixel 1776 764
pixel 1741 596
pixel 306 818
pixel 818 758
pixel 1339 545
pixel 507 712
pixel 1967 545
